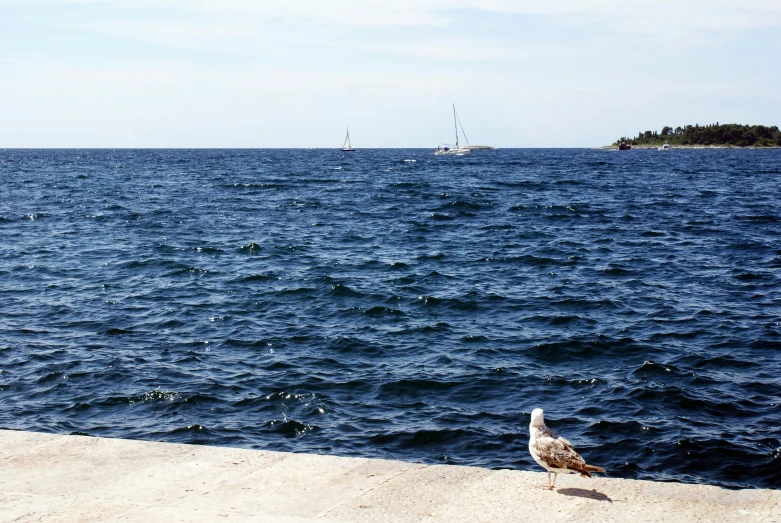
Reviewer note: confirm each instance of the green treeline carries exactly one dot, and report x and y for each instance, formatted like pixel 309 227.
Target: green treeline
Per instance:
pixel 731 134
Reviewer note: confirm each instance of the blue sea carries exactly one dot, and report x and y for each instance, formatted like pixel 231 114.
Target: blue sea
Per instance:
pixel 392 304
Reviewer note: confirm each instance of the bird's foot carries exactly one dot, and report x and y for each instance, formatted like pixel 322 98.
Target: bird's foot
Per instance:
pixel 547 487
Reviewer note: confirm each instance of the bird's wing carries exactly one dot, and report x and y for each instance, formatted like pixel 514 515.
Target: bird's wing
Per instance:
pixel 558 453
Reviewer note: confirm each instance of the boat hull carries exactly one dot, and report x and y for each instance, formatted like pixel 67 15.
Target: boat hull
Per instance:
pixel 452 152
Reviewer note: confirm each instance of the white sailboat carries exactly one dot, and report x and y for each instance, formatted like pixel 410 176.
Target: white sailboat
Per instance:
pixel 346 147
pixel 456 150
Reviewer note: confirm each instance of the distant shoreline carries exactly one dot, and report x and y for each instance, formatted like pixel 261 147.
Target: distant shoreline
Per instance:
pixel 644 146
pixel 710 136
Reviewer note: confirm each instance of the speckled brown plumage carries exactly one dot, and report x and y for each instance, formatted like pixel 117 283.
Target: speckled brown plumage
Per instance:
pixel 554 453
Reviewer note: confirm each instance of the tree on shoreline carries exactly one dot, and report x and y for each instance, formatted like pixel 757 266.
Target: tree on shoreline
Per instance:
pixel 714 134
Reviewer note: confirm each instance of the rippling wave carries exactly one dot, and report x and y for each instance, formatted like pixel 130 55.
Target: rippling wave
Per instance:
pixel 400 305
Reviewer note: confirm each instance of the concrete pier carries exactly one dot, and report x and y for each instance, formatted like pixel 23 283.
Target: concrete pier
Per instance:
pixel 52 478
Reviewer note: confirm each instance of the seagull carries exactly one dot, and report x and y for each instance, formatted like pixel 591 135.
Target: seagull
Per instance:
pixel 554 453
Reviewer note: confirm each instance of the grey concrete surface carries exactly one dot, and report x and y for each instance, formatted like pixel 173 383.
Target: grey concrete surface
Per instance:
pixel 50 478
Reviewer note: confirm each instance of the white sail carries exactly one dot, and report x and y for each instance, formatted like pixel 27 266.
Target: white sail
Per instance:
pixel 347 146
pixel 456 150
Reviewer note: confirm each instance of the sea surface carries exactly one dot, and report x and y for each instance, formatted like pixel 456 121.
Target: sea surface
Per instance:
pixel 393 304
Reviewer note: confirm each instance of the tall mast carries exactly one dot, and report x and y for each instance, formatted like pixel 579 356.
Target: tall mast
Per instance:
pixel 462 131
pixel 455 124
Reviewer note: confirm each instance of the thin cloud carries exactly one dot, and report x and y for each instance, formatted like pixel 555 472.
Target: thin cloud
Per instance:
pixel 297 28
pixel 656 18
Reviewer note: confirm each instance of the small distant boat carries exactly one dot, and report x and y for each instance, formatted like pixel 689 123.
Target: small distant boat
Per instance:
pixel 449 149
pixel 664 147
pixel 347 147
pixel 454 150
pixel 623 146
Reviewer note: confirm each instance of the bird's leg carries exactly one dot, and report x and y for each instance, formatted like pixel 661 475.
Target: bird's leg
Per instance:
pixel 549 487
pixel 555 474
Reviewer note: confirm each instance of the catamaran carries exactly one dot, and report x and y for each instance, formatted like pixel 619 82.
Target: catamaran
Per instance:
pixel 346 147
pixel 456 150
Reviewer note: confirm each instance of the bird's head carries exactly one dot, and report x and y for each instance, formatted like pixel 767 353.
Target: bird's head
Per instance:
pixel 538 420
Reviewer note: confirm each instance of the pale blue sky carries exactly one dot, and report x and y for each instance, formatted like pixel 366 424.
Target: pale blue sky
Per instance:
pixel 284 73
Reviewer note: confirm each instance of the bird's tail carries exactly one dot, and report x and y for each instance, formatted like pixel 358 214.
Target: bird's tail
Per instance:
pixel 594 468
pixel 587 469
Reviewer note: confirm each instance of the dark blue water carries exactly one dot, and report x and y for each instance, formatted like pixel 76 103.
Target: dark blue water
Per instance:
pixel 395 304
